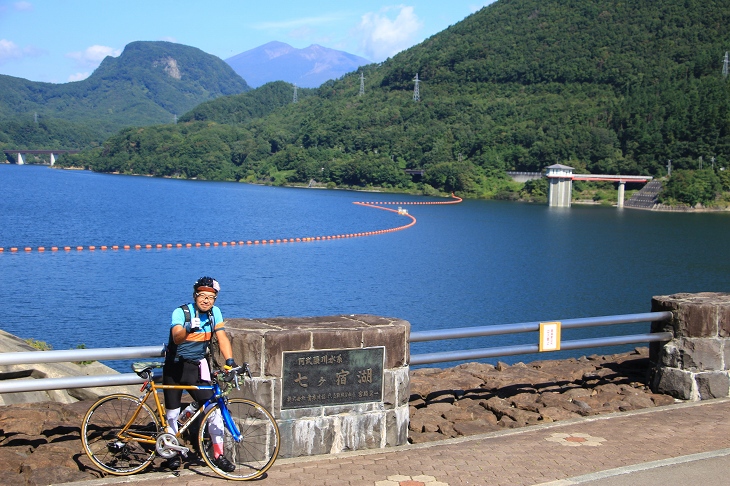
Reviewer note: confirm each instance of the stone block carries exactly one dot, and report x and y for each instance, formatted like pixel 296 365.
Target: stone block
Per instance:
pixel 396 427
pixel 726 353
pixel 395 387
pixel 336 338
pixel 258 390
pixel 701 354
pixel 306 437
pixel 355 432
pixel 699 320
pixel 394 340
pixel 723 320
pixel 276 343
pixel 670 355
pixel 674 382
pixel 402 385
pixel 713 385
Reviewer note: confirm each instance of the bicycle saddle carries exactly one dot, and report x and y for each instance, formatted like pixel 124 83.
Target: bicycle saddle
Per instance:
pixel 144 367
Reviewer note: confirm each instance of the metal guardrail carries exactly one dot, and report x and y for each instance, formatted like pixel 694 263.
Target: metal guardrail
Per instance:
pixel 65 383
pixel 35 357
pixel 467 332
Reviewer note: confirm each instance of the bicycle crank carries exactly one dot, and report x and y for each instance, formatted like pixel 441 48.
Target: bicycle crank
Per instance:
pixel 167 446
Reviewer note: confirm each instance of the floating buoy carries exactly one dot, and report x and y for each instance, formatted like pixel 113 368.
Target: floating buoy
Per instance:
pixel 372 204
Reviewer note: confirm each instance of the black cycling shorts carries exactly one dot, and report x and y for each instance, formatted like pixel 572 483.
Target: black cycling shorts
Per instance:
pixel 183 372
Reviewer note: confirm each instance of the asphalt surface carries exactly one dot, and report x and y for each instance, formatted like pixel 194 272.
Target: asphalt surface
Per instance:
pixel 674 445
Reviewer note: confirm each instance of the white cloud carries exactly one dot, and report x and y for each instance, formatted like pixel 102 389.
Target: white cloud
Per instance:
pixel 78 77
pixel 23 6
pixel 9 50
pixel 93 55
pixel 384 36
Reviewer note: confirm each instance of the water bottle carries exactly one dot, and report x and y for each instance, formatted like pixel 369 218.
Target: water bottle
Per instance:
pixel 187 413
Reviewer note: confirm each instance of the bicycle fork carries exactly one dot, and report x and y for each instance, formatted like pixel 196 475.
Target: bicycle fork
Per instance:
pixel 228 420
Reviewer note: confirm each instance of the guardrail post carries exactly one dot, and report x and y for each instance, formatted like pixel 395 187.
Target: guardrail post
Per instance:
pixel 694 365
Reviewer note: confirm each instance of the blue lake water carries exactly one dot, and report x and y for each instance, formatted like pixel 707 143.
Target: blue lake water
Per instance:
pixel 470 264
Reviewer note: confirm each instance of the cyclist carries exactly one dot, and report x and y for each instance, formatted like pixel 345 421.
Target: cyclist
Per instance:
pixel 185 362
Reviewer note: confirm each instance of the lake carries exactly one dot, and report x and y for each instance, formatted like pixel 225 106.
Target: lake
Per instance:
pixel 470 264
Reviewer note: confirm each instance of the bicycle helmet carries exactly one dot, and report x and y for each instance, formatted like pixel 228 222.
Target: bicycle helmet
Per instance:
pixel 206 284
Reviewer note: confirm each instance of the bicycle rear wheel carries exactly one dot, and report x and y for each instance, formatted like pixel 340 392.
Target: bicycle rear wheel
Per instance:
pixel 112 451
pixel 258 448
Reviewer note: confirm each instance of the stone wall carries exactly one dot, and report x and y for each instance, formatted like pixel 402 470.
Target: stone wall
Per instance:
pixel 695 364
pixel 327 429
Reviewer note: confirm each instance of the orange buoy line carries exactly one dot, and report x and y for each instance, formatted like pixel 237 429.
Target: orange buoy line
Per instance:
pixel 160 246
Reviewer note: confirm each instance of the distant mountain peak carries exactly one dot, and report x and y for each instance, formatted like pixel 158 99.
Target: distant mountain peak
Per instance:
pixel 307 68
pixel 272 49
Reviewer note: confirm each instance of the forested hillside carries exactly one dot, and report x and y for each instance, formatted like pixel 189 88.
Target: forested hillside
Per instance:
pixel 149 83
pixel 600 85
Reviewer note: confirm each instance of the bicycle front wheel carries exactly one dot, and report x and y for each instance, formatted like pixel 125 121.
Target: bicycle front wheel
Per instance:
pixel 110 431
pixel 254 454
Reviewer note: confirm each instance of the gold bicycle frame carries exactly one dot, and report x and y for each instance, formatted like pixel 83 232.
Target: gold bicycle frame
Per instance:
pixel 152 389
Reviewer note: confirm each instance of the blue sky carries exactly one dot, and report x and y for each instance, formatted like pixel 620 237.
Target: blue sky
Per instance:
pixel 60 41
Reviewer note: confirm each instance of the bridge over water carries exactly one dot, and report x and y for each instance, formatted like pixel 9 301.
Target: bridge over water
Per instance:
pixel 53 154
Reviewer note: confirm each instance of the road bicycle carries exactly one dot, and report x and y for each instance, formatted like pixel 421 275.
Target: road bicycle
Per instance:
pixel 121 433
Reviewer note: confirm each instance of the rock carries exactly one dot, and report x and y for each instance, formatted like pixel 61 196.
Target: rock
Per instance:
pixel 660 400
pixel 419 438
pixel 555 414
pixel 473 427
pixel 52 464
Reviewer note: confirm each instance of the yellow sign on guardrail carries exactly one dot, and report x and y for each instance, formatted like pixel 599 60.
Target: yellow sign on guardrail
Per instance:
pixel 549 336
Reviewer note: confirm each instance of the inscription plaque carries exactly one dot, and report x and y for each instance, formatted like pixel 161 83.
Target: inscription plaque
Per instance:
pixel 332 377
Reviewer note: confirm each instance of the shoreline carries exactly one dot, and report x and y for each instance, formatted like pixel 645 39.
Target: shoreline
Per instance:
pixel 662 208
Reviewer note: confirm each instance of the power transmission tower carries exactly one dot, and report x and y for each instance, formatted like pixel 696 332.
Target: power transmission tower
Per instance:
pixel 669 167
pixel 362 84
pixel 35 118
pixel 416 92
pixel 295 94
pixel 724 66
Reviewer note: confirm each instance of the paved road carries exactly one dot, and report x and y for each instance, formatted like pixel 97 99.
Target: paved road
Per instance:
pixel 674 445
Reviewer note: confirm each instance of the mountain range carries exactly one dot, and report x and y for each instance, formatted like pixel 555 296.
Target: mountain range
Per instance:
pixel 602 86
pixel 152 83
pixel 149 83
pixel 306 68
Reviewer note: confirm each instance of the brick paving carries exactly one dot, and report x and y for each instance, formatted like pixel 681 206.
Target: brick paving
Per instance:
pixel 526 456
